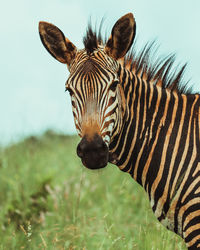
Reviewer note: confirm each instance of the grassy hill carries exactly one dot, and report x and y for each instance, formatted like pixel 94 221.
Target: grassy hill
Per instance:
pixel 48 200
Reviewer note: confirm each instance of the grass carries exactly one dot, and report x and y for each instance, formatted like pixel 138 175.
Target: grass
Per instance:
pixel 48 200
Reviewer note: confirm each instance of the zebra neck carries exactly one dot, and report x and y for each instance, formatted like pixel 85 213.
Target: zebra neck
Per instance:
pixel 150 112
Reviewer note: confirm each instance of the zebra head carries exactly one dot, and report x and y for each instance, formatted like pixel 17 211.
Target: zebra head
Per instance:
pixel 97 95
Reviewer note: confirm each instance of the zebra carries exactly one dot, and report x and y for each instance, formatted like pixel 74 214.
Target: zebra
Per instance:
pixel 136 114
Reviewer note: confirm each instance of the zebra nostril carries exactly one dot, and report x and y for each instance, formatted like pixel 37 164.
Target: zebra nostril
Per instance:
pixel 79 150
pixel 102 146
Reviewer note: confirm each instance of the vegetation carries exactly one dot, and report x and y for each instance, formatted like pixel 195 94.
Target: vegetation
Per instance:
pixel 48 200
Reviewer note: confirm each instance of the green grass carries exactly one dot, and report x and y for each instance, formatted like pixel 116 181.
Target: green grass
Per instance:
pixel 48 200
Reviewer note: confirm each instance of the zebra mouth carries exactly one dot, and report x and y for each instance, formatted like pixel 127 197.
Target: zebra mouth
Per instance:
pixel 94 153
pixel 95 165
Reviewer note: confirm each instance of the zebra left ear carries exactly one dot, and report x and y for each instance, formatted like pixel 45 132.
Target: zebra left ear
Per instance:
pixel 122 36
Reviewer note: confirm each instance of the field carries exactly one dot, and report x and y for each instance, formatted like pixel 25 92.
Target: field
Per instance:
pixel 48 200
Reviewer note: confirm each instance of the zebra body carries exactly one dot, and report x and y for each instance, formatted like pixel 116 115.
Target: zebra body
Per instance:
pixel 163 155
pixel 136 115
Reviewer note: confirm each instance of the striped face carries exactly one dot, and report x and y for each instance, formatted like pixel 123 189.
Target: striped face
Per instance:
pixel 92 84
pixel 97 96
pixel 94 88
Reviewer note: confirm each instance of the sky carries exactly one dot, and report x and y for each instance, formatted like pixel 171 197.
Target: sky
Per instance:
pixel 33 97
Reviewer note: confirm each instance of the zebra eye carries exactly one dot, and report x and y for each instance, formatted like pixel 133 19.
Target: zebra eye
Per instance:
pixel 69 90
pixel 113 86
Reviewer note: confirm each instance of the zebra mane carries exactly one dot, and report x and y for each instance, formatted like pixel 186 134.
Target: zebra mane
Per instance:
pixel 92 39
pixel 161 71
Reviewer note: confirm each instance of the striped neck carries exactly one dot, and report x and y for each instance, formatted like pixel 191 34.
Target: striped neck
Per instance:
pixel 152 112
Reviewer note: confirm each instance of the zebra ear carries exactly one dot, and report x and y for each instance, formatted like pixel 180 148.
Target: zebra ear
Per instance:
pixel 122 36
pixel 56 44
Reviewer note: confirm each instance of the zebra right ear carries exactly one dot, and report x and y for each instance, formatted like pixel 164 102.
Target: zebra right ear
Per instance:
pixel 122 36
pixel 56 44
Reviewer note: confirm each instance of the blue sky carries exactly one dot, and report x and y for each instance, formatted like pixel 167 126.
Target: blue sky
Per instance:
pixel 32 96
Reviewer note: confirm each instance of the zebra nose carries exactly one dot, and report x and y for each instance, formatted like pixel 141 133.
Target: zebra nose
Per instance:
pixel 93 152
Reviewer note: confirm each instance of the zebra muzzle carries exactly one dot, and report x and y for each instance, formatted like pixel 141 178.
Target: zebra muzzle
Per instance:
pixel 93 152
